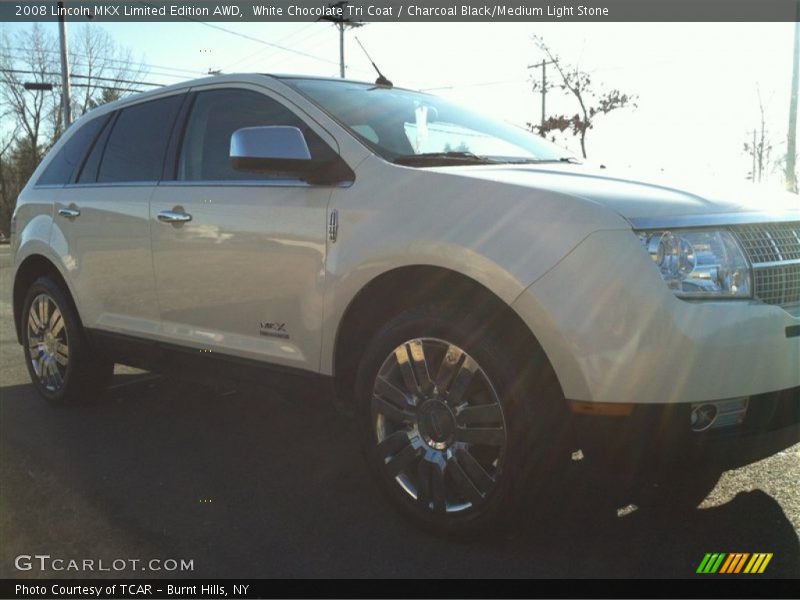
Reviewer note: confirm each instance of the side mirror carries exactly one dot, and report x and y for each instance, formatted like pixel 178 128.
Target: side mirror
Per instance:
pixel 283 151
pixel 270 150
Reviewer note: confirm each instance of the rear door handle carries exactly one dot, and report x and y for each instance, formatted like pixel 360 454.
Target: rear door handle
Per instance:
pixel 70 212
pixel 174 216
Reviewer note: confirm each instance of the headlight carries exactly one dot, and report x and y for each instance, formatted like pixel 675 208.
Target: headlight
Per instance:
pixel 700 263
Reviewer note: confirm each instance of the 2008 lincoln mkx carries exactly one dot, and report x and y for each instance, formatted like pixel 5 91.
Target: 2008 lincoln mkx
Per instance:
pixel 481 302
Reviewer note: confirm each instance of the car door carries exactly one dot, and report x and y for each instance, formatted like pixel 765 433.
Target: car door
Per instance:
pixel 239 257
pixel 103 232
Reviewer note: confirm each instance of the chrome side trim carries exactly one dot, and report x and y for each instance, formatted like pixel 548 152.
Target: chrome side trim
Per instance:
pixel 110 184
pixel 216 183
pixel 740 218
pixel 333 226
pixel 238 183
pixel 221 183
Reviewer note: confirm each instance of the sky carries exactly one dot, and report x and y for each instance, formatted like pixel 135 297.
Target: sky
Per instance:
pixel 697 84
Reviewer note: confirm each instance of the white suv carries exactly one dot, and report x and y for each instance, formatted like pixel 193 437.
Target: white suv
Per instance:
pixel 477 298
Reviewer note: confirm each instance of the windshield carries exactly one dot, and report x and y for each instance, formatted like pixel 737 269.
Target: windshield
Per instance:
pixel 400 124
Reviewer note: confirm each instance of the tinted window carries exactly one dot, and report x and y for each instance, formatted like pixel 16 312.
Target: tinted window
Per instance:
pixel 216 115
pixel 136 146
pixel 88 173
pixel 63 165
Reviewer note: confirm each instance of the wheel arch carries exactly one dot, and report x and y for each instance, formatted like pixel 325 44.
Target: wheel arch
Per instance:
pixel 378 301
pixel 29 270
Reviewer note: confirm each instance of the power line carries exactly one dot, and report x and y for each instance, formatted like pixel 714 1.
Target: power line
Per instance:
pixel 108 87
pixel 478 84
pixel 77 76
pixel 81 64
pixel 253 39
pixel 52 86
pixel 184 72
pixel 272 52
pixel 249 37
pixel 118 61
pixel 117 80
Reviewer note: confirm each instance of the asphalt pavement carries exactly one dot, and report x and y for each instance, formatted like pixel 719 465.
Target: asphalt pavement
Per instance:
pixel 259 483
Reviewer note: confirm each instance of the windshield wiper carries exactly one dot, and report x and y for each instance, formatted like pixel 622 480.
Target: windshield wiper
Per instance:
pixel 539 161
pixel 427 159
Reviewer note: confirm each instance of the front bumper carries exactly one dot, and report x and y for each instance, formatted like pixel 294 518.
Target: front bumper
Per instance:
pixel 661 436
pixel 615 333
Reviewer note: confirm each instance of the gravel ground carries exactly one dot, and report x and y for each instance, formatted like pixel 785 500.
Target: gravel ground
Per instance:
pixel 778 477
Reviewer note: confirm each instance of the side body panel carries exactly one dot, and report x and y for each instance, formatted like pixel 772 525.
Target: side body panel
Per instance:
pixel 106 255
pixel 246 275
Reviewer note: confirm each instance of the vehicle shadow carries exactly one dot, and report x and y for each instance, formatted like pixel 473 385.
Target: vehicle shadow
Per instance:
pixel 268 483
pixel 585 528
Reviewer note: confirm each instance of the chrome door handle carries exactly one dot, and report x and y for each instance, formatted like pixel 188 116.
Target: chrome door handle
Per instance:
pixel 173 216
pixel 69 213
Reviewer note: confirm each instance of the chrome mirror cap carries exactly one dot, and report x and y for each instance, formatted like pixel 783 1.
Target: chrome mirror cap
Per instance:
pixel 271 143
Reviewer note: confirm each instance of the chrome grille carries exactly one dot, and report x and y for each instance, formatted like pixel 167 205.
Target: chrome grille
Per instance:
pixel 771 242
pixel 774 251
pixel 778 285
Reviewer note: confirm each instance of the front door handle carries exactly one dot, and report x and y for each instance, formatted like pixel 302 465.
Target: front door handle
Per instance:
pixel 176 215
pixel 70 212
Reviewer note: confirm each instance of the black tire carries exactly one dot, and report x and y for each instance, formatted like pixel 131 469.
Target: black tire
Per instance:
pixel 525 388
pixel 72 374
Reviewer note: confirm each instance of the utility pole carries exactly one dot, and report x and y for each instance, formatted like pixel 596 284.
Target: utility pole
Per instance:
pixel 66 111
pixel 543 65
pixel 341 23
pixel 791 138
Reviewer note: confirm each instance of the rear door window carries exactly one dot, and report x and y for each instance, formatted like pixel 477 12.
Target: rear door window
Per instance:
pixel 135 149
pixel 60 169
pixel 88 172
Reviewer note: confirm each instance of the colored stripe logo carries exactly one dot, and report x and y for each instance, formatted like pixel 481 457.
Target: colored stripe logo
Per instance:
pixel 734 563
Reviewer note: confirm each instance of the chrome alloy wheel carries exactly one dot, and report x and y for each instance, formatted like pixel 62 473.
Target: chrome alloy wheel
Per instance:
pixel 439 425
pixel 48 345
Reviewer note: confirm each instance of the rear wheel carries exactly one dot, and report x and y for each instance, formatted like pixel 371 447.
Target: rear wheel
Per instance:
pixel 447 416
pixel 57 353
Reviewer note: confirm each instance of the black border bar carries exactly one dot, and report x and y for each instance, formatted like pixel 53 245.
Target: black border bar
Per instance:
pixel 408 11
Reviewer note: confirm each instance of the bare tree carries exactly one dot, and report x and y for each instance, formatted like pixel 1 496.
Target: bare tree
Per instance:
pixel 9 184
pixel 102 70
pixel 591 102
pixel 30 111
pixel 30 119
pixel 760 148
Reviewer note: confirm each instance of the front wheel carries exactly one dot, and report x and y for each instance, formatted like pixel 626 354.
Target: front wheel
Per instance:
pixel 59 360
pixel 447 414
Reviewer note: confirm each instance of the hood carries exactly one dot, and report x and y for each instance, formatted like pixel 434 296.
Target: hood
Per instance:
pixel 643 199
